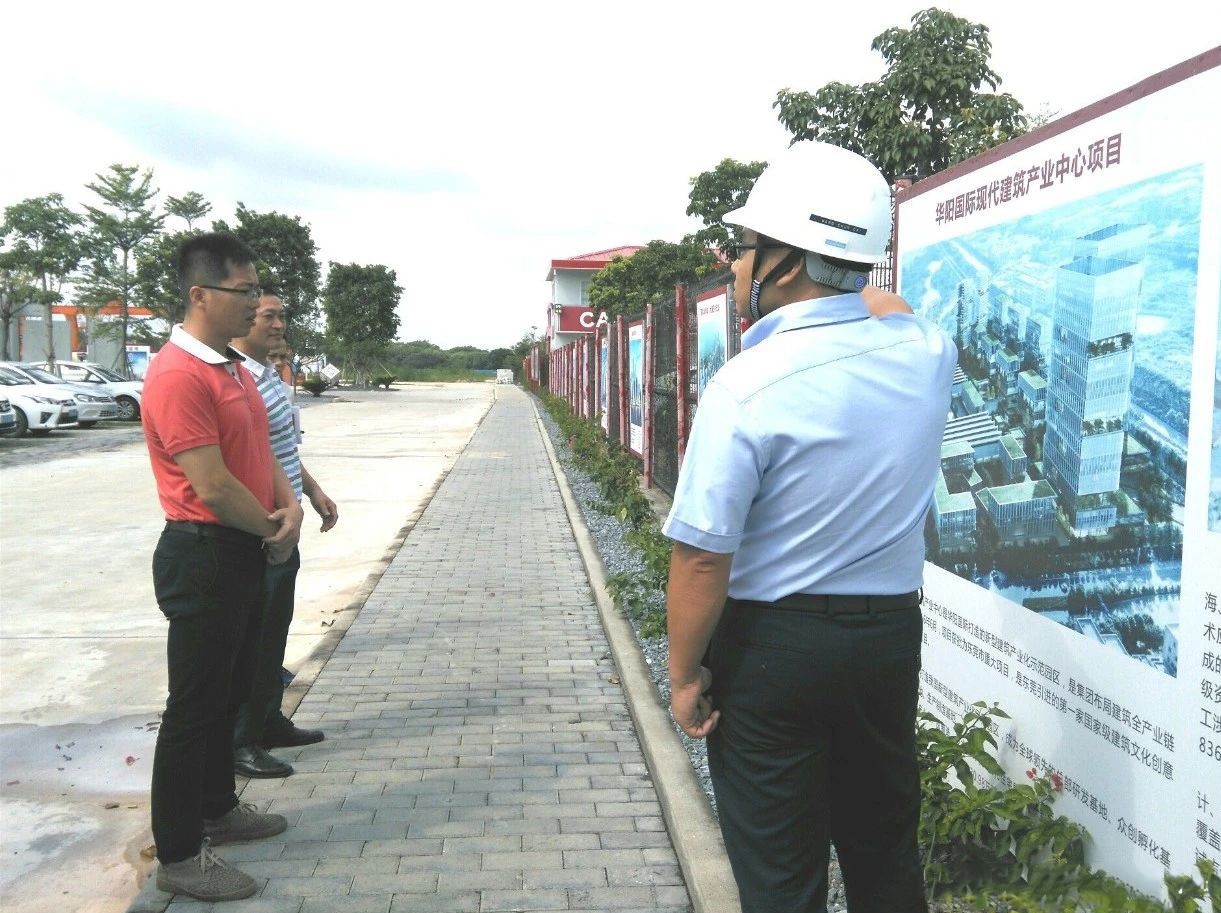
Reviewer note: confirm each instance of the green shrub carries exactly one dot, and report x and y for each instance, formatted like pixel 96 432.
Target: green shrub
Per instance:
pixel 985 836
pixel 1004 847
pixel 617 475
pixel 383 380
pixel 314 383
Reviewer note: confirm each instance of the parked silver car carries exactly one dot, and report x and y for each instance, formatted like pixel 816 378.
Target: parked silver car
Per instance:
pixel 127 393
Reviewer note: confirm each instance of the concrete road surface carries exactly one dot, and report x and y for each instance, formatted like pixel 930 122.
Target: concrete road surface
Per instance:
pixel 82 667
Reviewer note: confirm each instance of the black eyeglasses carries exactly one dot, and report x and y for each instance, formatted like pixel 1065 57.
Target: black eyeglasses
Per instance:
pixel 254 291
pixel 736 250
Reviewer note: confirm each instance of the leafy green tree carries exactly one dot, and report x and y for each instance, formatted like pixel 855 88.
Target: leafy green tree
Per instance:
pixel 118 231
pixel 190 208
pixel 928 111
pixel 361 312
pixel 466 357
pixel 156 285
pixel 44 244
pixel 419 353
pixel 716 192
pixel 17 292
pixel 520 350
pixel 627 284
pixel 287 260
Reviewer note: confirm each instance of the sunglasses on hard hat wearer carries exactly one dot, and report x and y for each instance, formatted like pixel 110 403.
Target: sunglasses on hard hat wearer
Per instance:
pixel 735 250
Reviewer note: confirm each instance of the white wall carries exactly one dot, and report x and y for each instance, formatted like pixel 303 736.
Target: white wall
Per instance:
pixel 566 287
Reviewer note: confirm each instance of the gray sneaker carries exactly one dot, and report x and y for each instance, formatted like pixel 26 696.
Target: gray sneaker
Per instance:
pixel 243 822
pixel 205 876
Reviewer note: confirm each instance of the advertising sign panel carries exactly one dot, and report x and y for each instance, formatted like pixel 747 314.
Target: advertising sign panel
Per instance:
pixel 577 319
pixel 1074 535
pixel 138 358
pixel 635 376
pixel 712 333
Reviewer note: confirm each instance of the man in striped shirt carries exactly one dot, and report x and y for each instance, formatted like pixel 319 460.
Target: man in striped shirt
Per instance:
pixel 261 724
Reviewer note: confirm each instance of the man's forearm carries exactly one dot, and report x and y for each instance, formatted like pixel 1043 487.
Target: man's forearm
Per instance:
pixel 235 506
pixel 308 486
pixel 695 597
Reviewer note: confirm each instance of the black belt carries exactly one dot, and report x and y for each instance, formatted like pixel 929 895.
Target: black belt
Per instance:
pixel 214 531
pixel 833 604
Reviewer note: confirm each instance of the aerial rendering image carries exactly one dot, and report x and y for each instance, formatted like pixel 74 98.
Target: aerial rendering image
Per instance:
pixel 1064 458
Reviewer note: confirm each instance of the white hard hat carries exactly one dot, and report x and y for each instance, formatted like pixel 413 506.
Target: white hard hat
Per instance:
pixel 822 199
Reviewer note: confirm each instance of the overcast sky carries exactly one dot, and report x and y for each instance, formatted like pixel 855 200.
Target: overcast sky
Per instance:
pixel 465 145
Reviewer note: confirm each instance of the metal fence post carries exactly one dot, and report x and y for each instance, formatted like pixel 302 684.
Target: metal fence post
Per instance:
pixel 624 426
pixel 590 361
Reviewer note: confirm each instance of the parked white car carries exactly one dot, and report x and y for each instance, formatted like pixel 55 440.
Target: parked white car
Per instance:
pixel 127 393
pixel 37 408
pixel 8 415
pixel 92 405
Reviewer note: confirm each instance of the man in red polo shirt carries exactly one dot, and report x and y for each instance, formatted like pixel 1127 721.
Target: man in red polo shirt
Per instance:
pixel 229 511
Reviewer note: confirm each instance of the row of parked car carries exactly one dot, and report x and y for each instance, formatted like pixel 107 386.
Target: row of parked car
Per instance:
pixel 38 397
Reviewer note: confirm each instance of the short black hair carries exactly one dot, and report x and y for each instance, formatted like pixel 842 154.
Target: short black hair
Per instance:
pixel 208 259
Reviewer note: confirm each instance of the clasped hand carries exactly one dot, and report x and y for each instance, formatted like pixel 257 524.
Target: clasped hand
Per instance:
pixel 279 547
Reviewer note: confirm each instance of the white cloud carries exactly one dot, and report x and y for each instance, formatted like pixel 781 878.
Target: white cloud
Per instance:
pixel 466 145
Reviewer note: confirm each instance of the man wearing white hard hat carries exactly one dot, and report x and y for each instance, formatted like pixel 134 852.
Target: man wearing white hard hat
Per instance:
pixel 798 521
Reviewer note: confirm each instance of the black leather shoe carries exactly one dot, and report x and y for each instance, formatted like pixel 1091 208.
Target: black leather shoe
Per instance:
pixel 257 764
pixel 291 737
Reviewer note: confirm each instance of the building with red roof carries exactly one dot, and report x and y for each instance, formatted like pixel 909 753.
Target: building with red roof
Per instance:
pixel 569 316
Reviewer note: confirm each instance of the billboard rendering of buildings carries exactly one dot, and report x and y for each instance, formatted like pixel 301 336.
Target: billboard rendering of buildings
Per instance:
pixel 635 378
pixel 1075 528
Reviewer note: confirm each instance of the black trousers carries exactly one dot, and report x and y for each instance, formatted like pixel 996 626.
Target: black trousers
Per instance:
pixel 261 712
pixel 816 745
pixel 209 584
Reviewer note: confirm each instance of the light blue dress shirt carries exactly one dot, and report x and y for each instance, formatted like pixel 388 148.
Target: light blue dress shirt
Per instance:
pixel 814 452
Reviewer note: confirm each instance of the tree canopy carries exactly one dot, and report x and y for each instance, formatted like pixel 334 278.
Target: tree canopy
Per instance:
pixel 190 208
pixel 156 285
pixel 16 292
pixel 45 246
pixel 716 192
pixel 928 111
pixel 361 311
pixel 118 228
pixel 287 260
pixel 627 284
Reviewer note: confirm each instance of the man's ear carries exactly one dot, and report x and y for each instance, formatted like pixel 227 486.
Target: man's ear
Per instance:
pixel 792 274
pixel 195 297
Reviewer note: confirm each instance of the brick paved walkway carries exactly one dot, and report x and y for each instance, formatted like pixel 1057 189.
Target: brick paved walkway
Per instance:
pixel 477 756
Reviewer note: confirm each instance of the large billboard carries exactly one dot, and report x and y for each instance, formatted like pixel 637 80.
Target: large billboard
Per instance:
pixel 1073 539
pixel 635 380
pixel 712 333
